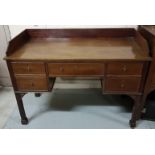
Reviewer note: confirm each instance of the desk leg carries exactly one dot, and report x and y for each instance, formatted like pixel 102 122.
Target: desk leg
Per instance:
pixel 37 94
pixel 24 119
pixel 136 112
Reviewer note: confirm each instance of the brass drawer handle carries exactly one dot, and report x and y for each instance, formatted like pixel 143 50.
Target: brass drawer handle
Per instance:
pixel 61 69
pixel 122 85
pixel 76 67
pixel 124 68
pixel 32 84
pixel 28 68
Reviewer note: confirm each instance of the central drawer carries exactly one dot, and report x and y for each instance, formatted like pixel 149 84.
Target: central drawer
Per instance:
pixel 124 68
pixel 31 83
pixel 76 69
pixel 122 84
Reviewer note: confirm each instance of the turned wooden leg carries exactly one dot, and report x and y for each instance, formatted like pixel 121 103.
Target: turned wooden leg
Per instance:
pixel 24 119
pixel 136 112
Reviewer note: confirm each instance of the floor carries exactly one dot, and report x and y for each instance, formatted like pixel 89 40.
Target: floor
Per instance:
pixel 7 104
pixel 69 109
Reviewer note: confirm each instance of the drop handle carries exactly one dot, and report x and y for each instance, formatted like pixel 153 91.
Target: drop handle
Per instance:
pixel 32 84
pixel 76 67
pixel 61 69
pixel 124 68
pixel 28 68
pixel 122 85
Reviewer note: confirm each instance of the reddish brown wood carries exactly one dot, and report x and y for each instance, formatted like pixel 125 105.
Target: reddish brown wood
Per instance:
pixel 153 79
pixel 149 34
pixel 135 111
pixel 125 68
pixel 31 83
pixel 18 96
pixel 122 84
pixel 74 33
pixel 75 69
pixel 141 41
pixel 24 119
pixel 17 42
pixel 28 67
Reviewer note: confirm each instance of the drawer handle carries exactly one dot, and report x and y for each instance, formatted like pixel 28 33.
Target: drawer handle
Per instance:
pixel 122 85
pixel 124 68
pixel 28 68
pixel 76 67
pixel 32 84
pixel 61 69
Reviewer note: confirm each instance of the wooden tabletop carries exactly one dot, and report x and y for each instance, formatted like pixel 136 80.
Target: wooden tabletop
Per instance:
pixel 150 28
pixel 80 49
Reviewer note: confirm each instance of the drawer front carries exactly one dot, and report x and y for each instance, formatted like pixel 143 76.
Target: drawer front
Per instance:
pixel 73 69
pixel 123 68
pixel 28 68
pixel 30 83
pixel 122 84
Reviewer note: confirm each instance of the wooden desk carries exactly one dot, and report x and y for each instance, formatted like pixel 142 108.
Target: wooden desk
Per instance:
pixel 117 57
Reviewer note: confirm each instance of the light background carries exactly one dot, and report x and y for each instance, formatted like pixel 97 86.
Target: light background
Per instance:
pixel 73 13
pixel 16 29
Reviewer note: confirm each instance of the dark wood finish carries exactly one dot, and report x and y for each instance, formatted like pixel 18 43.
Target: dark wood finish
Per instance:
pixel 153 79
pixel 122 84
pixel 118 57
pixel 28 68
pixel 24 119
pixel 136 110
pixel 141 41
pixel 81 33
pixel 80 49
pixel 148 33
pixel 17 42
pixel 18 96
pixel 124 68
pixel 76 69
pixel 31 83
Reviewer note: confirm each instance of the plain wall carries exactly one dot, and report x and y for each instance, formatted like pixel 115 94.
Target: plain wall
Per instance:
pixel 4 39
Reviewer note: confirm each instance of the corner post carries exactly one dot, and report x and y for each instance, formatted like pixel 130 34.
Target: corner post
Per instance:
pixel 136 112
pixel 24 119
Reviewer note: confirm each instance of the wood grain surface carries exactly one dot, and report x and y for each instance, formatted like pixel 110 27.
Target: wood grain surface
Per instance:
pixel 80 49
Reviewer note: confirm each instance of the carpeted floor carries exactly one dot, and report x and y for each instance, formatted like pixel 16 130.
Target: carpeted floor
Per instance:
pixel 76 109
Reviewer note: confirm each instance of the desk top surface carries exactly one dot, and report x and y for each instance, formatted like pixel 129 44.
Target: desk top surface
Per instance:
pixel 106 48
pixel 150 28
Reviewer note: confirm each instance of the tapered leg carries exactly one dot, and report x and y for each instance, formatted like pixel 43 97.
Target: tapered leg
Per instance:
pixel 24 119
pixel 136 112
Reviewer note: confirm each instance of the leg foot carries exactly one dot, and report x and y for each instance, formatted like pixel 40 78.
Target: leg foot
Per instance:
pixel 123 96
pixel 37 94
pixel 24 121
pixel 136 112
pixel 132 124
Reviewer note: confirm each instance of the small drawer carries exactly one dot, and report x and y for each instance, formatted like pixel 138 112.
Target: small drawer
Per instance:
pixel 28 68
pixel 123 84
pixel 124 68
pixel 73 69
pixel 30 83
